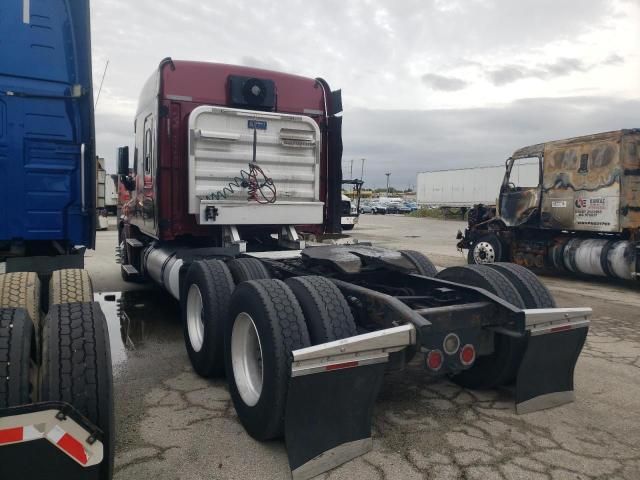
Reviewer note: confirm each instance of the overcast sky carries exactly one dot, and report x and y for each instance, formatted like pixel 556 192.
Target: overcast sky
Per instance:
pixel 427 84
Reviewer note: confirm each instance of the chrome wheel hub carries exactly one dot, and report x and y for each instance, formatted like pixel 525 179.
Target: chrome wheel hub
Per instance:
pixel 483 252
pixel 195 320
pixel 246 359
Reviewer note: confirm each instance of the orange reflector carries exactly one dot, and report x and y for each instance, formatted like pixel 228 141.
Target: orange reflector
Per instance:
pixel 68 444
pixel 10 435
pixel 562 328
pixel 340 366
pixel 73 448
pixel 434 359
pixel 467 355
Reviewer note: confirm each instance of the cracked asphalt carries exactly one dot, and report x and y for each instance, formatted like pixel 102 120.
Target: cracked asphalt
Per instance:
pixel 171 424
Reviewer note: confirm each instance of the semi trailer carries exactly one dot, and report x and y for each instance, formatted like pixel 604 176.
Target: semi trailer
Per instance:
pixel 232 167
pixel 466 187
pixel 580 214
pixel 56 403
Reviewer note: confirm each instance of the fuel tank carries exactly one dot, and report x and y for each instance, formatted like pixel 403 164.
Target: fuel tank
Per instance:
pixel 601 257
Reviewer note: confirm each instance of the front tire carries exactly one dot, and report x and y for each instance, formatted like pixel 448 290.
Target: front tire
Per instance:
pixel 487 249
pixel 205 306
pixel 265 324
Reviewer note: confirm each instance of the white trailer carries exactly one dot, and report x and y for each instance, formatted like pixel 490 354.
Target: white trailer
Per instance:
pixel 111 193
pixel 466 187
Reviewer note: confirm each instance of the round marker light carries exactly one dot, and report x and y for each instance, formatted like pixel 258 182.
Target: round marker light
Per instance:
pixel 467 355
pixel 435 359
pixel 451 344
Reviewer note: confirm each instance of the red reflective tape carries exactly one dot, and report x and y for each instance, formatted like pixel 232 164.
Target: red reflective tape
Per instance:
pixel 11 435
pixel 562 328
pixel 340 366
pixel 73 447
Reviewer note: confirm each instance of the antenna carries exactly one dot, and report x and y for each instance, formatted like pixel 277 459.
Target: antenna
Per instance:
pixel 101 82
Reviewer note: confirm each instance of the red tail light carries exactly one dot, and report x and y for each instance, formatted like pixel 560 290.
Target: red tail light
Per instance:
pixel 435 360
pixel 467 355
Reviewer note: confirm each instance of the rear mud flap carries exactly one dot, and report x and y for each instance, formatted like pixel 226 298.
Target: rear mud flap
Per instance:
pixel 545 376
pixel 328 418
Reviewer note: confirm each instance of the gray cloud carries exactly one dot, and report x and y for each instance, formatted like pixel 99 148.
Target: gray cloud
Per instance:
pixel 558 68
pixel 440 82
pixel 613 59
pixel 405 142
pixel 563 66
pixel 507 74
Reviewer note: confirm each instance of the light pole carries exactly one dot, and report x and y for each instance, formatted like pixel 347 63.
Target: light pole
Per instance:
pixel 388 174
pixel 362 170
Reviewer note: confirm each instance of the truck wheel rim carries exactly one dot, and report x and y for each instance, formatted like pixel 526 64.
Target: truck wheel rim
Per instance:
pixel 195 322
pixel 484 252
pixel 246 359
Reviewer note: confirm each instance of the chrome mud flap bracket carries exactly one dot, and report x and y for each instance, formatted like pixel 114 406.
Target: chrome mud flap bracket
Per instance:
pixel 332 392
pixel 555 337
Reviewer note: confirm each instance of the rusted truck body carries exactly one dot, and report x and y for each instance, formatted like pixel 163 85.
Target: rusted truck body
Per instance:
pixel 582 216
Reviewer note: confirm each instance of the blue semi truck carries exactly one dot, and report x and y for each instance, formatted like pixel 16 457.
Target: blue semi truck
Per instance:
pixel 56 402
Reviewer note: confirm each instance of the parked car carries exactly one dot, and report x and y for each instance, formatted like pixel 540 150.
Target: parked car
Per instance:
pixel 413 206
pixel 366 207
pixel 403 208
pixel 379 208
pixel 397 207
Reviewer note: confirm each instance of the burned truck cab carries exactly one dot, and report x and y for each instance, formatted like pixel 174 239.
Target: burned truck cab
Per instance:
pixel 521 190
pixel 577 210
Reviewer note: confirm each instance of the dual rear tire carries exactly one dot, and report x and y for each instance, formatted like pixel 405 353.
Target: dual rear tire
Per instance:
pixel 250 330
pixel 268 320
pixel 207 291
pixel 516 285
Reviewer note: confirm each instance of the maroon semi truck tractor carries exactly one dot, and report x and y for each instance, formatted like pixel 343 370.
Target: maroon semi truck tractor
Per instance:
pixel 231 166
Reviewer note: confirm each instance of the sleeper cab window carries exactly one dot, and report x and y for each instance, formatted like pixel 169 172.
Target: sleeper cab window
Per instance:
pixel 147 151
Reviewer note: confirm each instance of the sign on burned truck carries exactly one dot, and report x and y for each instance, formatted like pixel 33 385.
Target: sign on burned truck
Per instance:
pixel 581 183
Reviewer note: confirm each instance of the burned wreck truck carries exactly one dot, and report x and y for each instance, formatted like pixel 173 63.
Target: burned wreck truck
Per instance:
pixel 581 216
